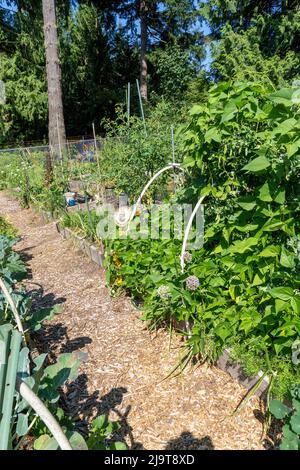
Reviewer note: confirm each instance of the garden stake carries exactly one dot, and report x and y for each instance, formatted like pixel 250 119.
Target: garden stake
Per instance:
pixel 141 106
pixel 173 156
pixel 96 155
pixel 128 103
pixel 59 145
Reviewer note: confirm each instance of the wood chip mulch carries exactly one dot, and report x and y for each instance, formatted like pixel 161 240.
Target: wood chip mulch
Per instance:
pixel 123 365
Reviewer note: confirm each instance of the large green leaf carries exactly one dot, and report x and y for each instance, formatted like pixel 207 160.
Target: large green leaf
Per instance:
pixel 258 164
pixel 295 423
pixel 264 193
pixel 223 331
pixel 270 251
pixel 22 424
pixel 240 246
pixel 292 147
pixel 283 293
pixel 279 409
pixel 247 203
pixel 283 96
pixel 295 303
pixel 45 442
pixel 213 134
pixel 65 361
pixel 76 440
pixel 287 259
pixel 285 126
pixel 118 446
pixel 290 444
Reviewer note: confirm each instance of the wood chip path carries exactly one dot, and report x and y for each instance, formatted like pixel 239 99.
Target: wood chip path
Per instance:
pixel 123 365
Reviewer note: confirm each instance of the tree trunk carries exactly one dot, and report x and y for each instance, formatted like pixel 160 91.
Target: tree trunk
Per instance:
pixel 57 133
pixel 144 41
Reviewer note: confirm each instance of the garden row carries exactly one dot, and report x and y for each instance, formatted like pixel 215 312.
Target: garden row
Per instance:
pixel 241 289
pixel 21 427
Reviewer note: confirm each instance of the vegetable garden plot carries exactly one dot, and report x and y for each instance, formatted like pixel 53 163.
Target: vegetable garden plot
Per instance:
pixel 241 289
pixel 125 363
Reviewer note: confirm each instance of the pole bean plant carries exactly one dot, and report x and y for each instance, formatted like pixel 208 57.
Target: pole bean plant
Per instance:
pixel 241 290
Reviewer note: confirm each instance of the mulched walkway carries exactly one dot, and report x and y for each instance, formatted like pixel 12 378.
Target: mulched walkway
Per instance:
pixel 123 364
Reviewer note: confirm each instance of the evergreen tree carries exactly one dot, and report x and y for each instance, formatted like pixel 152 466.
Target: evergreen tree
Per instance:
pixel 22 69
pixel 255 39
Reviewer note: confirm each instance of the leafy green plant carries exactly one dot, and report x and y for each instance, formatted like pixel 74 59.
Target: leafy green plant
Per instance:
pixel 46 381
pixel 100 434
pixel 84 223
pixel 132 154
pixel 12 268
pixel 291 419
pixel 7 229
pixel 29 370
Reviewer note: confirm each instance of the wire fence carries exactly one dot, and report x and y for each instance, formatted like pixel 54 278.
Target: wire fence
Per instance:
pixel 81 150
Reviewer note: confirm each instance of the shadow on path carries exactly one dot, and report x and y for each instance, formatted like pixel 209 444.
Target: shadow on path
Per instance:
pixel 186 441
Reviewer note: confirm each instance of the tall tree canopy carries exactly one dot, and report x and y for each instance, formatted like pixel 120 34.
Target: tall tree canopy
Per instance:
pixel 104 44
pixel 100 50
pixel 258 39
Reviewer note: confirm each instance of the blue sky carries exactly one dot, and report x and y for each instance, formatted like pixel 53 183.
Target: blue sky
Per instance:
pixel 206 63
pixel 5 5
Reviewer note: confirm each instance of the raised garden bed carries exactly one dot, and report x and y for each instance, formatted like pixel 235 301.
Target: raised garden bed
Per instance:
pixel 235 370
pixel 94 253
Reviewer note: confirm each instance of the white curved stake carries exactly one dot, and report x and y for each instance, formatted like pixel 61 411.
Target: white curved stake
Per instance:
pixel 187 231
pixel 38 406
pixel 166 168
